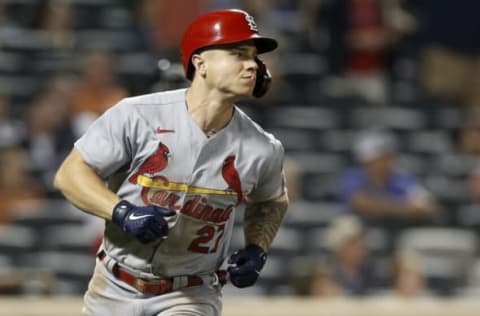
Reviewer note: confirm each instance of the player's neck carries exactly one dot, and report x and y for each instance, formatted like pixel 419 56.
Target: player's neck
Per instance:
pixel 210 112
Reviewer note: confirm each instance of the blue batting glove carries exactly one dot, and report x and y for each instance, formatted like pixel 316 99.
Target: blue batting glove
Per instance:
pixel 245 265
pixel 147 223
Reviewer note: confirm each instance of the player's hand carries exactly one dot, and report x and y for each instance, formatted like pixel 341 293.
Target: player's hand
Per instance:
pixel 245 265
pixel 147 223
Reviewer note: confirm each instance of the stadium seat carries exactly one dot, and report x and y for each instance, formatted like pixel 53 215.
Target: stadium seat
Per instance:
pixel 17 240
pixel 51 212
pixel 415 164
pixel 72 270
pixel 430 142
pixel 474 275
pixel 303 64
pixel 449 117
pixel 118 41
pixel 303 117
pixel 320 187
pixel 389 117
pixel 288 241
pixel 18 86
pixel 11 63
pixel 74 238
pixel 446 189
pixel 455 165
pixel 447 254
pixel 319 162
pixel 293 139
pixel 334 140
pixel 469 216
pixel 305 215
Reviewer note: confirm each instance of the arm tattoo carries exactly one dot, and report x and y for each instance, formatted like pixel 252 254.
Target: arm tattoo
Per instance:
pixel 262 221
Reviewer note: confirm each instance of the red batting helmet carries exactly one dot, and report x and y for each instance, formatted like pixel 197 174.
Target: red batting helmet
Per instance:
pixel 221 27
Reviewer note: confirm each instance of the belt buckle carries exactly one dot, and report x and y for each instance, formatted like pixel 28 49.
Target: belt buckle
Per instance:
pixel 161 286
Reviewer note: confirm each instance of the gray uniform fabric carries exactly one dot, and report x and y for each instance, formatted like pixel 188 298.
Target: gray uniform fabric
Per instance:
pixel 167 160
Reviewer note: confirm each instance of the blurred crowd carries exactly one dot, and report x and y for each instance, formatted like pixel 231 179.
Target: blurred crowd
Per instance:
pixel 64 62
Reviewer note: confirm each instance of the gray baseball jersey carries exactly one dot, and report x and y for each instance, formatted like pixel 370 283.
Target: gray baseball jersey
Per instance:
pixel 169 161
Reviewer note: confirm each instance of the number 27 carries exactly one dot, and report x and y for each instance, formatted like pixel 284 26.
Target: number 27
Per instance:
pixel 205 235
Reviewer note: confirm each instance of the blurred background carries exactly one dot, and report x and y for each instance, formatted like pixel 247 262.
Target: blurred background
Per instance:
pixel 376 102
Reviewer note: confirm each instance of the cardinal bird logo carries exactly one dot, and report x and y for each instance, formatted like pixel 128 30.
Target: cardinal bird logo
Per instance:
pixel 155 163
pixel 230 175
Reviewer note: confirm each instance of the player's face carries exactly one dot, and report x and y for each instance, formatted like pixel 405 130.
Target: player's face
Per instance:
pixel 231 70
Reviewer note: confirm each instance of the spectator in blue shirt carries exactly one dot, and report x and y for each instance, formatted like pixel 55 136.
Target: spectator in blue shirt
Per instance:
pixel 378 190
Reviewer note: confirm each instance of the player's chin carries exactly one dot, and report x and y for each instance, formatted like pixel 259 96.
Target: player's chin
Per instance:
pixel 244 90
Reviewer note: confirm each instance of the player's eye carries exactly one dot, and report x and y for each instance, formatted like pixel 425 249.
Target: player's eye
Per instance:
pixel 238 53
pixel 243 55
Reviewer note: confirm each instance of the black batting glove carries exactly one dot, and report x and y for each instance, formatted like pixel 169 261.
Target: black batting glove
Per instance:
pixel 147 223
pixel 245 265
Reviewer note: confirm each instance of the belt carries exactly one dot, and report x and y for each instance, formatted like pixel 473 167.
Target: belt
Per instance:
pixel 160 286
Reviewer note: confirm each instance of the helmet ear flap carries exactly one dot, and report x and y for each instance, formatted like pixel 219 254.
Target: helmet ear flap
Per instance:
pixel 263 81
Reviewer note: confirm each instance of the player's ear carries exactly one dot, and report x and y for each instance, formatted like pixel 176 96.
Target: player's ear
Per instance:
pixel 198 63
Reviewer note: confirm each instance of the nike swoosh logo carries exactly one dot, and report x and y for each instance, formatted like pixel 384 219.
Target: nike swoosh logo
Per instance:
pixel 134 217
pixel 162 131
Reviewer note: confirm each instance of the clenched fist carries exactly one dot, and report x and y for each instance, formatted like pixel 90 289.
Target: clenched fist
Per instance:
pixel 147 223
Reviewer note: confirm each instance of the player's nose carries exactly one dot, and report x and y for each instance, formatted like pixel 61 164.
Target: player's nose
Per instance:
pixel 251 65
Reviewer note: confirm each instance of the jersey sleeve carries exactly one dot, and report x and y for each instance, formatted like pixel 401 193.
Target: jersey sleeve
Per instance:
pixel 106 146
pixel 271 182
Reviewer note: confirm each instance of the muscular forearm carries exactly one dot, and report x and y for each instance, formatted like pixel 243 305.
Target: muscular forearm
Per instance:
pixel 84 188
pixel 262 221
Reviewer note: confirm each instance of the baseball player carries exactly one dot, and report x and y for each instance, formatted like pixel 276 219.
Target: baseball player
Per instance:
pixel 178 164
